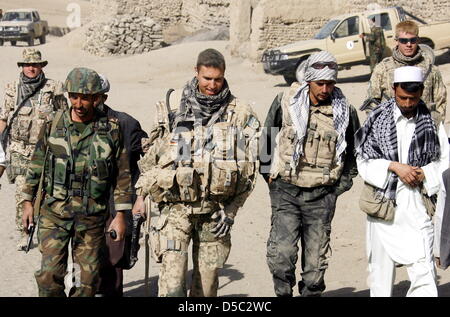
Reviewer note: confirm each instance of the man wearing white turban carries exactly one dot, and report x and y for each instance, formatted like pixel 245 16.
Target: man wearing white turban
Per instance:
pixel 310 164
pixel 401 154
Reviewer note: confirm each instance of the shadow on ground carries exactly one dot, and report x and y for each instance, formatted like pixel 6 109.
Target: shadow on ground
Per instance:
pixel 139 289
pixel 399 290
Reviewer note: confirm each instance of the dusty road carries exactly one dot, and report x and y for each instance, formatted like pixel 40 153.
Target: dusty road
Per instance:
pixel 137 82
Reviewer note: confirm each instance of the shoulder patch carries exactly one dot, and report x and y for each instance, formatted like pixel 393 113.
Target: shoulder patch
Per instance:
pixel 253 123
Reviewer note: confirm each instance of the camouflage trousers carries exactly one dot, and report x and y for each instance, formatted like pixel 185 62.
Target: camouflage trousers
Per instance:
pixel 19 182
pixel 86 234
pixel 295 217
pixel 374 59
pixel 208 253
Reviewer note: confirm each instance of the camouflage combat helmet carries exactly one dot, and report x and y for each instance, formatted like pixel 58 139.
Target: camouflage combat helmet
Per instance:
pixel 83 81
pixel 31 56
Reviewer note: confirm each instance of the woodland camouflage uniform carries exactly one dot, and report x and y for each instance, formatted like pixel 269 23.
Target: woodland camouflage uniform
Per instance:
pixel 80 168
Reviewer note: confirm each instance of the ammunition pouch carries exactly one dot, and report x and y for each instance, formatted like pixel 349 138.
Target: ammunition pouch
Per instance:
pixel 13 171
pixel 99 177
pixel 316 167
pixel 223 180
pixel 155 238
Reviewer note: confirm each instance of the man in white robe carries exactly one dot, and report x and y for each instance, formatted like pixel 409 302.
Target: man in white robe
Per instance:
pixel 408 238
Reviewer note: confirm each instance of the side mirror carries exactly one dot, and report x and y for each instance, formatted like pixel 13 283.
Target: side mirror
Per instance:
pixel 332 37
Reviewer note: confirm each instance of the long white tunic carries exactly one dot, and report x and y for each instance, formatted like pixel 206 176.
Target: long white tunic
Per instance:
pixel 409 237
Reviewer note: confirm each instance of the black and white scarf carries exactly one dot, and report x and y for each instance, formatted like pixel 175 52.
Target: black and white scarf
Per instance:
pixel 29 86
pixel 377 139
pixel 299 111
pixel 198 107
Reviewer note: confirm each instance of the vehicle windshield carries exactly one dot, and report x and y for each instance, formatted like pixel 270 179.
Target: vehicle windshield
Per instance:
pixel 325 31
pixel 17 16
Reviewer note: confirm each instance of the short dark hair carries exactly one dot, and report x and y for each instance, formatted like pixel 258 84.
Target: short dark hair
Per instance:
pixel 211 58
pixel 410 86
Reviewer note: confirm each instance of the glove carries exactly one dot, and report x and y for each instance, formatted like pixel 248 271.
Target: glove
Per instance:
pixel 224 225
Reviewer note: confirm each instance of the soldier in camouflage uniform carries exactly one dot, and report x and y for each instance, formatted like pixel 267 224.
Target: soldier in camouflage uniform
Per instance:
pixel 28 104
pixel 308 166
pixel 81 155
pixel 377 43
pixel 200 168
pixel 409 53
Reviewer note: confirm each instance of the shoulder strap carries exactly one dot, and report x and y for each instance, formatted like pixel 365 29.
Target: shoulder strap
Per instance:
pixel 39 196
pixel 56 120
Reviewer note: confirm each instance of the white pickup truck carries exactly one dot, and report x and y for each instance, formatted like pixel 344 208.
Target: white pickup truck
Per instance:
pixel 22 25
pixel 341 37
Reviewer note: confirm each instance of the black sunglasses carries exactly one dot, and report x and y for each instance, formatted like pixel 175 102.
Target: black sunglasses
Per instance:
pixel 322 65
pixel 412 40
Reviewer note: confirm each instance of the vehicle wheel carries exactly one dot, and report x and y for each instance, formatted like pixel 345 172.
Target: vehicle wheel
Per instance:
pixel 30 41
pixel 300 71
pixel 13 43
pixel 289 78
pixel 42 39
pixel 1 42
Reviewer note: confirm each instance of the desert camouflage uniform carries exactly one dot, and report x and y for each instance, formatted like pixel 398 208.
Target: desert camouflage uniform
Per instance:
pixel 183 221
pixel 434 93
pixel 79 172
pixel 376 45
pixel 25 128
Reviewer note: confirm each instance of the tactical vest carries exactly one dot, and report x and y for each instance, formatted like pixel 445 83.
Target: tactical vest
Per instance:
pixel 203 167
pixel 30 119
pixel 317 166
pixel 71 174
pixel 26 126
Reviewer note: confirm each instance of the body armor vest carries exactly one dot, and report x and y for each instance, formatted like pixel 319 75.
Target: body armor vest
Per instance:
pixel 204 166
pixel 317 165
pixel 30 119
pixel 84 168
pixel 26 126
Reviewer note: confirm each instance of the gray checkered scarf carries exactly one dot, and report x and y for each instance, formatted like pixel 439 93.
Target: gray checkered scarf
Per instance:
pixel 299 111
pixel 377 139
pixel 29 86
pixel 198 107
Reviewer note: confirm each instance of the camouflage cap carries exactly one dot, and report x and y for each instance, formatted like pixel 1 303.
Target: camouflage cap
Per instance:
pixel 31 56
pixel 83 81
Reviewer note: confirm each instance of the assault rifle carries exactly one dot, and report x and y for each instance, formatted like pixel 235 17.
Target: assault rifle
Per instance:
pixel 370 104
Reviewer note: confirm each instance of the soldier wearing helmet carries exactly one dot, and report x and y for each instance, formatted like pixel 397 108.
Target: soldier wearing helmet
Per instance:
pixel 28 104
pixel 82 160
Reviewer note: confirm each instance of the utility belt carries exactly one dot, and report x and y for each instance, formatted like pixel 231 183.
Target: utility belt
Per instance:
pixel 215 181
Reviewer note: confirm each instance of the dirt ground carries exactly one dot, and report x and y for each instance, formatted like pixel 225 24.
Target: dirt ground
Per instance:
pixel 137 82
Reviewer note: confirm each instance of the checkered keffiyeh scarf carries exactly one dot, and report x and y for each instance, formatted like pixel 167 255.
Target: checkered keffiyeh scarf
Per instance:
pixel 299 111
pixel 195 106
pixel 377 139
